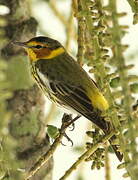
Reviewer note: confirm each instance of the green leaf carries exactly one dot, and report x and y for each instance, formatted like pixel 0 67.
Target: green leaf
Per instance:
pixel 52 131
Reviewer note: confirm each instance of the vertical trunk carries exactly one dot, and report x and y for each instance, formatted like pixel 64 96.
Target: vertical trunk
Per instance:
pixel 27 103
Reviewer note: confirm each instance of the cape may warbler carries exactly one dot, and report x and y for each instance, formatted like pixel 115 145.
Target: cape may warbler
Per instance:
pixel 65 82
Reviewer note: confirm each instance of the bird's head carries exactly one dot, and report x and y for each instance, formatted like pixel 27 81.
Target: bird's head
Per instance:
pixel 41 48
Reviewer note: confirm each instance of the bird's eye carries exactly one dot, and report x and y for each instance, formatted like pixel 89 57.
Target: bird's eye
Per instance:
pixel 38 46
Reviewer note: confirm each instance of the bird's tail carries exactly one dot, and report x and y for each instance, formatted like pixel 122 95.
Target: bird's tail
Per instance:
pixel 115 149
pixel 106 127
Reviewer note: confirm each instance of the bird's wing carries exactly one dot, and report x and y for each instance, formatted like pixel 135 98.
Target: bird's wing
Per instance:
pixel 77 99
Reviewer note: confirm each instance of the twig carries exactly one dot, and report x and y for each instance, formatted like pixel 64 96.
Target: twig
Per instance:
pixel 66 119
pixel 81 29
pixel 75 6
pixel 69 30
pixel 52 4
pixel 86 154
pixel 133 5
pixel 127 101
pixel 107 165
pixel 67 23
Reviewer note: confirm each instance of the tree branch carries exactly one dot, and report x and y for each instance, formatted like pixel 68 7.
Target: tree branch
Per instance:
pixel 87 154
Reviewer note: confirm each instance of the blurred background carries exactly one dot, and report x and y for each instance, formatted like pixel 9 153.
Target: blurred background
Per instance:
pixel 56 19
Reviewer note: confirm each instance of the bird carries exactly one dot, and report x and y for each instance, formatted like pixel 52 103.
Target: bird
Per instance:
pixel 66 83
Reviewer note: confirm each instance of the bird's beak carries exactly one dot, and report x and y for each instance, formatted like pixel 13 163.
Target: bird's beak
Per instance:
pixel 22 44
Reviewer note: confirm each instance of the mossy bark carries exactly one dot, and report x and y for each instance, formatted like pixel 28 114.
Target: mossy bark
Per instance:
pixel 26 105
